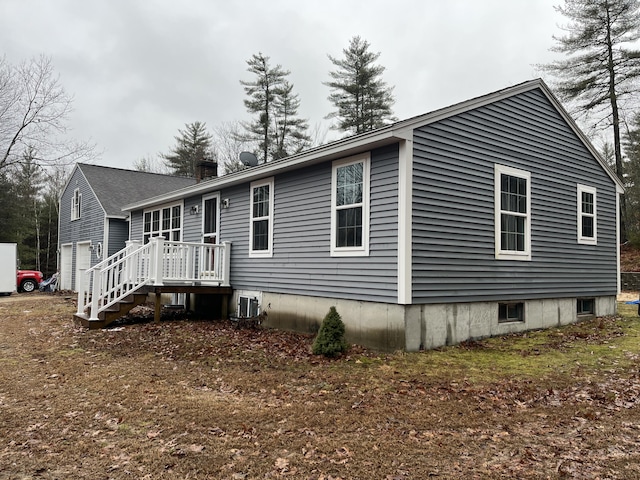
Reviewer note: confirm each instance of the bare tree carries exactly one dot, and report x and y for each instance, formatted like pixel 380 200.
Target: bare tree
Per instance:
pixel 151 165
pixel 34 108
pixel 229 142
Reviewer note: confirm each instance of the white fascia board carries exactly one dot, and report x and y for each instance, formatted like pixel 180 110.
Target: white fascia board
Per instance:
pixel 585 140
pixel 331 151
pixel 104 210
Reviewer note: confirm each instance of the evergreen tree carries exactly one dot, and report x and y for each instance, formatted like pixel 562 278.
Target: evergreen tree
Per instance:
pixel 291 131
pixel 29 181
pixel 193 145
pixel 632 179
pixel 362 99
pixel 9 218
pixel 330 340
pixel 601 68
pixel 276 129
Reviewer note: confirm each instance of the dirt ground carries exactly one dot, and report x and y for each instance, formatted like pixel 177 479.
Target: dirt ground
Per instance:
pixel 193 399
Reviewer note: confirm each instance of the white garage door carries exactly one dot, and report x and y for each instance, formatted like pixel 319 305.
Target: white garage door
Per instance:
pixel 83 260
pixel 66 266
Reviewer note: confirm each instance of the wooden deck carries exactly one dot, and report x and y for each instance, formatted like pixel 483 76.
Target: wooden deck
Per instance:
pixel 222 293
pixel 215 299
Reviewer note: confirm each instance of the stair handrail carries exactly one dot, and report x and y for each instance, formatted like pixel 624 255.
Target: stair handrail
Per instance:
pixel 113 279
pixel 135 266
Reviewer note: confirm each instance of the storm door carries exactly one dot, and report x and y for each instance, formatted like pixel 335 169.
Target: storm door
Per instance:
pixel 210 235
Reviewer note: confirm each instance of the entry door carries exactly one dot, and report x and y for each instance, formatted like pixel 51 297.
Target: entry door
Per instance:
pixel 210 224
pixel 83 259
pixel 66 267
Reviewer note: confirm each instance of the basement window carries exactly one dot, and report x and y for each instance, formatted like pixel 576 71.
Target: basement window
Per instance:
pixel 586 306
pixel 248 307
pixel 510 312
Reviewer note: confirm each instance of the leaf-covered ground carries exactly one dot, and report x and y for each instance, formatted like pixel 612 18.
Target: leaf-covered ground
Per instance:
pixel 200 400
pixel 629 258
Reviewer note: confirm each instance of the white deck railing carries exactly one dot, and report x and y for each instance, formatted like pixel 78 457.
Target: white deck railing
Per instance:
pixel 159 262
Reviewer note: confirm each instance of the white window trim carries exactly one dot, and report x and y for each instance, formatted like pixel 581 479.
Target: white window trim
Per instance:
pixel 268 252
pixel 499 252
pixel 76 205
pixel 204 199
pixel 160 208
pixel 582 239
pixel 363 250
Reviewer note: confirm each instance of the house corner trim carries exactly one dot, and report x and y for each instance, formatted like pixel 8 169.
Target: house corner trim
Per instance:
pixel 405 212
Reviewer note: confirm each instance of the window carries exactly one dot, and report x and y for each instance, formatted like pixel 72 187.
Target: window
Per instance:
pixel 164 222
pixel 261 223
pixel 586 306
pixel 510 312
pixel 512 213
pixel 350 206
pixel 248 307
pixel 76 204
pixel 587 223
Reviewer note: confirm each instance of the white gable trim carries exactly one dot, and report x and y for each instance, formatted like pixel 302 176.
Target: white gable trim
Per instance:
pixel 370 140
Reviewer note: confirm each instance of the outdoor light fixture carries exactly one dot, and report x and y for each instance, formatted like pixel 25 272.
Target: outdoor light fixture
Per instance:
pixel 194 210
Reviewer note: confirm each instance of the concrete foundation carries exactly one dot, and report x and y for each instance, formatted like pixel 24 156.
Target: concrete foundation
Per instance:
pixel 391 327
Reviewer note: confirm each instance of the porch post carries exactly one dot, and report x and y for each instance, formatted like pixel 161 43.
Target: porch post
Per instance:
pixel 157 257
pixel 96 293
pixel 82 291
pixel 226 264
pixel 130 246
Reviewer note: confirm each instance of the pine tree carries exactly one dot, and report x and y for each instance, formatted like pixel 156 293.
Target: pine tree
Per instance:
pixel 632 179
pixel 276 129
pixel 9 215
pixel 291 131
pixel 193 145
pixel 363 100
pixel 600 69
pixel 29 181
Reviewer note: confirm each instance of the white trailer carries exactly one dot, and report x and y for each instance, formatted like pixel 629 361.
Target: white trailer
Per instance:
pixel 8 267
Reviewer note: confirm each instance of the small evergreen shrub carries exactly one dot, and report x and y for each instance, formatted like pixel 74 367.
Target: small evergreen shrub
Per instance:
pixel 330 340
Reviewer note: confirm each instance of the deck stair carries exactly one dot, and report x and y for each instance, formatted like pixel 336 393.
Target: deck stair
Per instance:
pixel 111 314
pixel 110 289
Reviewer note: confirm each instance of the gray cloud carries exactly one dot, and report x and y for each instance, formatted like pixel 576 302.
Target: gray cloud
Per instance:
pixel 139 70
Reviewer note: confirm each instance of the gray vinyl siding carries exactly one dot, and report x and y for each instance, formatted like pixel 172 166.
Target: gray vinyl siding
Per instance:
pixel 90 225
pixel 301 262
pixel 136 228
pixel 192 224
pixel 118 235
pixel 453 207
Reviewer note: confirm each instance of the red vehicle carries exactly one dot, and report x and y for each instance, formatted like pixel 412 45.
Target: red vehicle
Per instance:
pixel 28 280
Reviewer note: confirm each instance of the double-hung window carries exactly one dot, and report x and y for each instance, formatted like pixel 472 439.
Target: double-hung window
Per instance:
pixel 261 222
pixel 76 204
pixel 350 206
pixel 163 222
pixel 512 213
pixel 587 221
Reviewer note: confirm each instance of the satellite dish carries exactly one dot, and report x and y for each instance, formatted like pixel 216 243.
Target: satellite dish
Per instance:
pixel 248 159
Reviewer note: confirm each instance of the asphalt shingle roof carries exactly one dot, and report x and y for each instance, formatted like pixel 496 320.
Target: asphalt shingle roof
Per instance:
pixel 116 187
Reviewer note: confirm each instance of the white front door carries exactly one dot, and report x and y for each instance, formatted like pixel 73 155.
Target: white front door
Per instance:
pixel 66 267
pixel 210 223
pixel 83 260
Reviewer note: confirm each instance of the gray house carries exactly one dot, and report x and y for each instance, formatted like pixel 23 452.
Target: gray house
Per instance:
pixel 491 216
pixel 92 225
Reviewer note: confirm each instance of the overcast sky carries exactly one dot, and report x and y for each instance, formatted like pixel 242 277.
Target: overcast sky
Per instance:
pixel 140 69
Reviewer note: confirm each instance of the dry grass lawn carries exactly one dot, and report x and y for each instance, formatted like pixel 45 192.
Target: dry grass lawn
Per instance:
pixel 188 399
